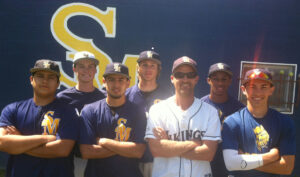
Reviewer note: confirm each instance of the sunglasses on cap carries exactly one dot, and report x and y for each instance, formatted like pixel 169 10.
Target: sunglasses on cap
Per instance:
pixel 258 75
pixel 180 75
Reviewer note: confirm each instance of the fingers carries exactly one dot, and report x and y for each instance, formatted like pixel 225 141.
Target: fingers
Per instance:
pixel 11 130
pixel 160 133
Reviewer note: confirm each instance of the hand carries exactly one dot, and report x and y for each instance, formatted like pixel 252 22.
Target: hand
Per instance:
pixel 50 138
pixel 103 141
pixel 275 153
pixel 12 130
pixel 160 133
pixel 241 151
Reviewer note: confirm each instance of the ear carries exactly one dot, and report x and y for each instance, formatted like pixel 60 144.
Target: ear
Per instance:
pixel 31 79
pixel 128 83
pixel 172 78
pixel 73 68
pixel 243 88
pixel 208 80
pixel 272 89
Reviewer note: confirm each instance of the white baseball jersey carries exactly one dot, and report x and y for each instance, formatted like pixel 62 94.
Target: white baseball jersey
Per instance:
pixel 200 121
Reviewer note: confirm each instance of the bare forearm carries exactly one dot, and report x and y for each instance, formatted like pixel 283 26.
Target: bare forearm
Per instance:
pixel 170 148
pixel 126 149
pixel 55 149
pixel 17 144
pixel 95 151
pixel 283 166
pixel 205 152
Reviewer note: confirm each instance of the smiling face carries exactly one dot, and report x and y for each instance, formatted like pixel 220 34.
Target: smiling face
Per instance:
pixel 148 70
pixel 116 85
pixel 257 93
pixel 219 83
pixel 184 80
pixel 85 71
pixel 44 83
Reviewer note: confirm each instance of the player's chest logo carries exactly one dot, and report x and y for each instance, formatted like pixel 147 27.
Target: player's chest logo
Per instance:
pixel 50 124
pixel 122 132
pixel 262 137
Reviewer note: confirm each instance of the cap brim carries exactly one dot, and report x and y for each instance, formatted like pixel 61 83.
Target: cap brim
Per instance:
pixel 105 75
pixel 153 59
pixel 33 70
pixel 187 63
pixel 221 70
pixel 92 59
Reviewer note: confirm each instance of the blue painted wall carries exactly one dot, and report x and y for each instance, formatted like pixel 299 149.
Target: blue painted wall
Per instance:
pixel 208 31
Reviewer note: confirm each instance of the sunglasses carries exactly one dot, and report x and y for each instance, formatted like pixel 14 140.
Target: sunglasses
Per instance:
pixel 180 75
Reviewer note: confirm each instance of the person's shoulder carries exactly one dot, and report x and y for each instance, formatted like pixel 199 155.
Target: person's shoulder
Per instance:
pixel 235 102
pixel 284 118
pixel 236 116
pixel 19 104
pixel 99 92
pixel 205 105
pixel 205 98
pixel 66 91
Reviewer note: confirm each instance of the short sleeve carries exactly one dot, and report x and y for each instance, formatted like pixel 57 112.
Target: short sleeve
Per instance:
pixel 7 115
pixel 230 134
pixel 213 131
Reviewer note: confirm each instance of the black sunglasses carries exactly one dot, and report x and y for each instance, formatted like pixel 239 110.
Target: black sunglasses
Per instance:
pixel 180 75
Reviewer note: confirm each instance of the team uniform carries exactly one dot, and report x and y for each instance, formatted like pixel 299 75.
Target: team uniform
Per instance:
pixel 124 123
pixel 56 118
pixel 200 121
pixel 242 131
pixel 78 98
pixel 224 109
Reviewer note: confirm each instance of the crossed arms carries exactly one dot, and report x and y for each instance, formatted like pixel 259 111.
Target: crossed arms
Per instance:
pixel 109 147
pixel 269 162
pixel 44 146
pixel 193 150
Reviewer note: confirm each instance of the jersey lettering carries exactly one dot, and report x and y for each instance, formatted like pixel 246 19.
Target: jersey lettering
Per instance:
pixel 50 124
pixel 122 132
pixel 186 135
pixel 262 137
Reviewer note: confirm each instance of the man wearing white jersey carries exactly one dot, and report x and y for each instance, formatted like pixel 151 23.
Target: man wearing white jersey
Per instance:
pixel 182 131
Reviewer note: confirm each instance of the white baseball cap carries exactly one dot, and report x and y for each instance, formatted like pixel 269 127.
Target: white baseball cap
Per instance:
pixel 85 55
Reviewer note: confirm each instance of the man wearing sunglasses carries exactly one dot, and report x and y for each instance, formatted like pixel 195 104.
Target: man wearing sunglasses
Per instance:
pixel 219 79
pixel 257 140
pixel 146 93
pixel 182 131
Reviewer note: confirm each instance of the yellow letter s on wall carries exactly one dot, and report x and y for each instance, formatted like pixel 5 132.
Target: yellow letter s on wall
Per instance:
pixel 73 43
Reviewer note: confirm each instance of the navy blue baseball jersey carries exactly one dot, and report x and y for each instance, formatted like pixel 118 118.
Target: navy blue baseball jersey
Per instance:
pixel 146 100
pixel 55 118
pixel 258 135
pixel 78 98
pixel 224 109
pixel 124 123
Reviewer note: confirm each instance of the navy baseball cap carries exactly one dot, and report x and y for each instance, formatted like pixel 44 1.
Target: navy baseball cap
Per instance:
pixel 85 55
pixel 46 65
pixel 149 55
pixel 219 67
pixel 184 61
pixel 116 68
pixel 257 74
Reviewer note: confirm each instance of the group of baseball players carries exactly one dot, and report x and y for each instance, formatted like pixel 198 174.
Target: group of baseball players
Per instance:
pixel 144 131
